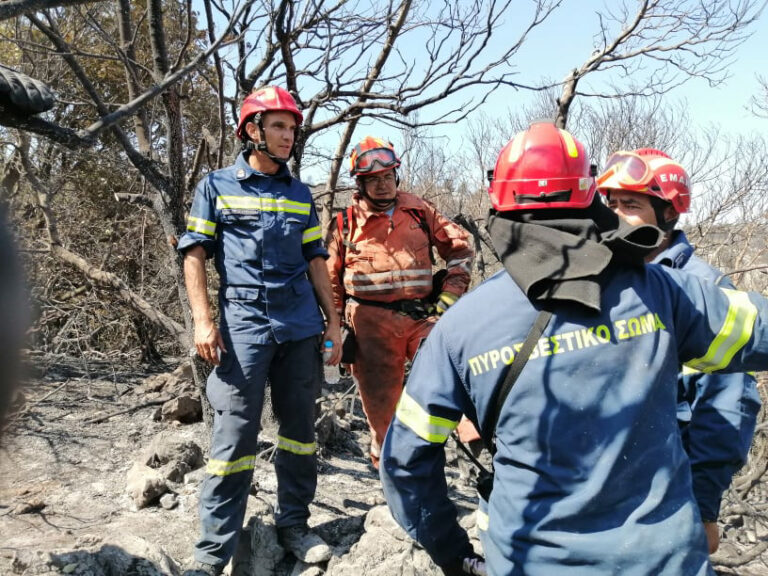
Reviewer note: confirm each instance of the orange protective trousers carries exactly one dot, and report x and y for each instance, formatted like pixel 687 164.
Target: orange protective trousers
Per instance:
pixel 385 339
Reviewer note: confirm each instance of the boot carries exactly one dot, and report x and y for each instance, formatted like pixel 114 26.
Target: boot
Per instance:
pixel 307 546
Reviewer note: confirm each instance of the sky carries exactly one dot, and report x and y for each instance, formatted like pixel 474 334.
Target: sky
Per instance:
pixel 570 31
pixel 565 41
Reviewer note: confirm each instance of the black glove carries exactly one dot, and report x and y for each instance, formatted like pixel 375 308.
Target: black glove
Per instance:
pixel 471 565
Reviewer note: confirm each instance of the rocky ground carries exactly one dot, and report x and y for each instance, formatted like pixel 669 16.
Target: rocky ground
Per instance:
pixel 100 471
pixel 99 475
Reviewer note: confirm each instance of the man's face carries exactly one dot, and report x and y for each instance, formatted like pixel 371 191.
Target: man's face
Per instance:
pixel 381 186
pixel 279 130
pixel 632 207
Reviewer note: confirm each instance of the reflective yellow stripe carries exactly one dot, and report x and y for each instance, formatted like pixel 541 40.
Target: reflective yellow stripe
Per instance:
pixel 262 204
pixel 688 371
pixel 224 468
pixel 736 331
pixel 570 144
pixel 482 520
pixel 202 226
pixel 295 447
pixel 311 234
pixel 430 428
pixel 448 297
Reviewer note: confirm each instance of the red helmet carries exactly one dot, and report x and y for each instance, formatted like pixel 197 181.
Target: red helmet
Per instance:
pixel 372 155
pixel 542 167
pixel 267 99
pixel 647 171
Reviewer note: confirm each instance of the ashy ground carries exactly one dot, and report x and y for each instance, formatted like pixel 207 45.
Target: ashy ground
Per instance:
pixel 82 425
pixel 65 509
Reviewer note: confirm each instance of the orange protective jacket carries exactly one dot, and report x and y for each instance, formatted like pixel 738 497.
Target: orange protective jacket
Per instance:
pixel 389 258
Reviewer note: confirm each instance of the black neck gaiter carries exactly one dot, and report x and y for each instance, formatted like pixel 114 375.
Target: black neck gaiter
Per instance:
pixel 560 254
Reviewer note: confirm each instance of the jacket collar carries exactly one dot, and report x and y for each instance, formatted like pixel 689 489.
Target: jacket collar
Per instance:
pixel 677 253
pixel 243 169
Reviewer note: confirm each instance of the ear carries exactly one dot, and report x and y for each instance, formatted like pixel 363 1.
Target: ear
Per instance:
pixel 253 132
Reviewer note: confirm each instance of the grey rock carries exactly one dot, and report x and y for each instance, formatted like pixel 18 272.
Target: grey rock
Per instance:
pixel 185 409
pixel 169 501
pixel 145 485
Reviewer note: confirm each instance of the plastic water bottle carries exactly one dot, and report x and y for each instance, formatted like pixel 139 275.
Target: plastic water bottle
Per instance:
pixel 331 373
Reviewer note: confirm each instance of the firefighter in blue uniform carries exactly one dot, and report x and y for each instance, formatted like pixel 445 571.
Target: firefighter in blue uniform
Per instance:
pixel 591 477
pixel 260 225
pixel 717 413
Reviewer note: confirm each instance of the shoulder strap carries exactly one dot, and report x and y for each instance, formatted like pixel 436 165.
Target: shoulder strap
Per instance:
pixel 500 394
pixel 343 218
pixel 418 215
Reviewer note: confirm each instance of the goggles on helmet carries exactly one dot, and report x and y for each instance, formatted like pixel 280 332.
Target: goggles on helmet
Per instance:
pixel 366 162
pixel 626 170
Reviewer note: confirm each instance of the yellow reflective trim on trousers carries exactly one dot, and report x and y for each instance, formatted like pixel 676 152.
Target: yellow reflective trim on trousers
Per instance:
pixel 311 234
pixel 202 226
pixel 225 468
pixel 734 334
pixel 300 448
pixel 430 428
pixel 262 204
pixel 482 520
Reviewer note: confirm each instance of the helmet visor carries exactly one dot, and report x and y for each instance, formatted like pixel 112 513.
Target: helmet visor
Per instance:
pixel 366 162
pixel 626 169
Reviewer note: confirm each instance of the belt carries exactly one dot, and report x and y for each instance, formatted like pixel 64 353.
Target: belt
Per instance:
pixel 416 308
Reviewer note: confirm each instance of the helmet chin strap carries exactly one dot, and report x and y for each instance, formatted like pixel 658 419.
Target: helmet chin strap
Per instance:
pixel 381 203
pixel 261 146
pixel 659 207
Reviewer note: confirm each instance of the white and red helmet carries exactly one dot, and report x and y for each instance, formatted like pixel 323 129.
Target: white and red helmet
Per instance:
pixel 647 171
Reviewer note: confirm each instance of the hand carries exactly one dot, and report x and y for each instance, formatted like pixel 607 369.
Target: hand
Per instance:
pixel 208 342
pixel 473 565
pixel 333 333
pixel 713 536
pixel 445 301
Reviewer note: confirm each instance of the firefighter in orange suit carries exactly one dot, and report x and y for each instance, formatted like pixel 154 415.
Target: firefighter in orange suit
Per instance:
pixel 381 273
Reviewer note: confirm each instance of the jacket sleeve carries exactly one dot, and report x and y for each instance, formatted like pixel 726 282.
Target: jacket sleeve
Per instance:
pixel 717 329
pixel 412 466
pixel 718 414
pixel 335 265
pixel 312 237
pixel 453 245
pixel 724 410
pixel 202 221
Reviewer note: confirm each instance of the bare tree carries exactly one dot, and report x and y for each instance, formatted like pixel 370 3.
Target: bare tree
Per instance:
pixel 346 62
pixel 760 101
pixel 648 47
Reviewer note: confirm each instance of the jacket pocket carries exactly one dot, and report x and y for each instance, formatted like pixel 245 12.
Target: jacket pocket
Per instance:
pixel 243 293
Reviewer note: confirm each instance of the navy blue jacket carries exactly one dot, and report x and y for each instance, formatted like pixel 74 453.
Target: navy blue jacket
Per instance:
pixel 262 230
pixel 717 413
pixel 591 475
